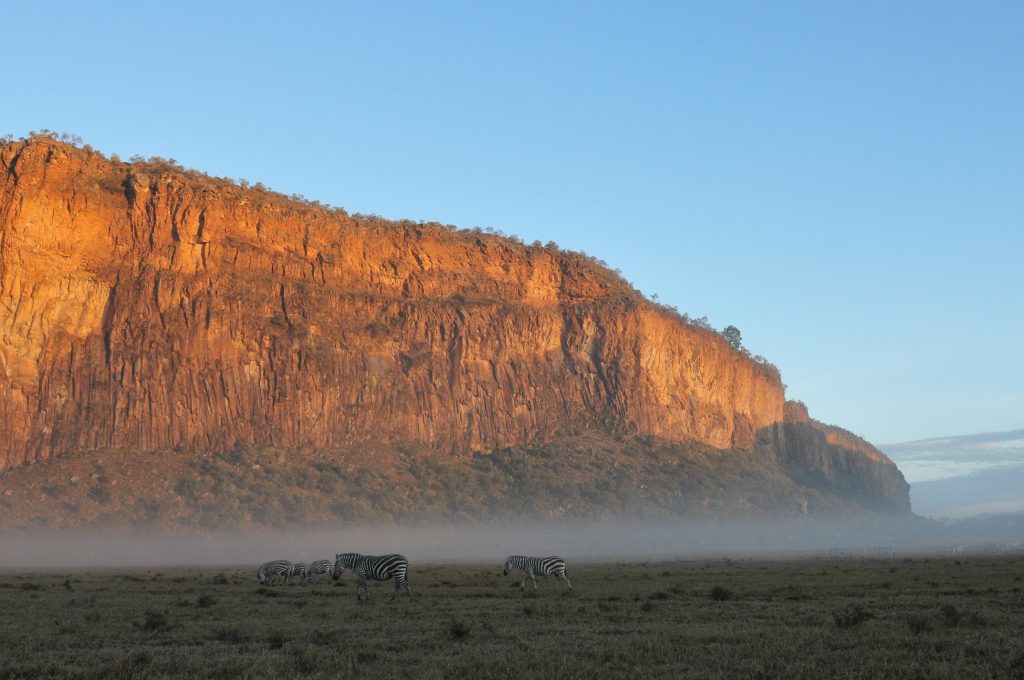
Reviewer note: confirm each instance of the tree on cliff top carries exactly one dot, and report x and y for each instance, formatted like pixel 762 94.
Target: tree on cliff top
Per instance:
pixel 733 336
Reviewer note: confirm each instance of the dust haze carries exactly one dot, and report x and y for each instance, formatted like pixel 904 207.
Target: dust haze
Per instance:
pixel 484 543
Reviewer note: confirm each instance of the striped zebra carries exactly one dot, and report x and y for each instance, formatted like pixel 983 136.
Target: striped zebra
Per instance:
pixel 530 566
pixel 374 567
pixel 319 567
pixel 271 571
pixel 300 570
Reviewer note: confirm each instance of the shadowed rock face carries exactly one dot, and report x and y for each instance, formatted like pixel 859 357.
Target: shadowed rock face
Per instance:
pixel 148 308
pixel 833 459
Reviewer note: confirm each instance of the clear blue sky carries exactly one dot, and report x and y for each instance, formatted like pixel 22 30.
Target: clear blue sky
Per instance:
pixel 842 181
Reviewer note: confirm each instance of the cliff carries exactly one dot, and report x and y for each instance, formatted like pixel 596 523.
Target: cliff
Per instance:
pixel 831 458
pixel 145 307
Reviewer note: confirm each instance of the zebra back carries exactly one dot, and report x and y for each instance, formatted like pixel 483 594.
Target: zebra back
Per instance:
pixel 320 567
pixel 383 567
pixel 372 567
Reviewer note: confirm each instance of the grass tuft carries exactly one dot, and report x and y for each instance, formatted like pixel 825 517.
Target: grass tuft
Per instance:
pixel 851 616
pixel 458 629
pixel 918 624
pixel 154 622
pixel 720 594
pixel 276 640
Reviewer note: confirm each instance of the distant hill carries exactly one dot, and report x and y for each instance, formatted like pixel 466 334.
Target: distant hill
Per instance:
pixel 965 475
pixel 239 344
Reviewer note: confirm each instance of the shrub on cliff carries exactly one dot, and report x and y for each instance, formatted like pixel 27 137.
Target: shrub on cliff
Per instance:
pixel 733 336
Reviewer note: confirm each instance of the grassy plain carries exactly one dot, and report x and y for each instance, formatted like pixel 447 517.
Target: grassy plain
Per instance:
pixel 905 618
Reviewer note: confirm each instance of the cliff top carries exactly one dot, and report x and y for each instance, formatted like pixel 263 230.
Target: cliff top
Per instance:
pixel 65 161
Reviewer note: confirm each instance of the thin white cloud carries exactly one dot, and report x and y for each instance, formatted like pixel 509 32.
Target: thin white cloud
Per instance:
pixel 987 508
pixel 949 457
pixel 916 471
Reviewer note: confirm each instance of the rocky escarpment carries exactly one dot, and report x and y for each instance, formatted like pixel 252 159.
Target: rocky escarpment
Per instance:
pixel 146 307
pixel 832 458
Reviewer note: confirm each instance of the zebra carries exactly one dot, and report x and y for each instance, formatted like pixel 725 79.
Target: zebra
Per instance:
pixel 300 570
pixel 270 571
pixel 319 567
pixel 537 565
pixel 375 567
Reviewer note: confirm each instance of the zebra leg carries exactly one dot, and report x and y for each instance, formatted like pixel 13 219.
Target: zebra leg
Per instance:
pixel 565 578
pixel 533 578
pixel 366 591
pixel 522 586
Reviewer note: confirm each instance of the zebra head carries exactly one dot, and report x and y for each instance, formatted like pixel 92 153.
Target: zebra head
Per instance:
pixel 342 562
pixel 265 572
pixel 508 567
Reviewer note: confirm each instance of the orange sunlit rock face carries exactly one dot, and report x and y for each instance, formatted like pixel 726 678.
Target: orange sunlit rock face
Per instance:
pixel 145 307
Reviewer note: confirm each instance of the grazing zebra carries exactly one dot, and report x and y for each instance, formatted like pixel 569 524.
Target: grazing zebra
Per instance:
pixel 300 570
pixel 319 567
pixel 270 571
pixel 537 565
pixel 375 567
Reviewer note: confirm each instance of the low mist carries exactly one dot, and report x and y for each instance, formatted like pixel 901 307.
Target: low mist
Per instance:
pixel 491 543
